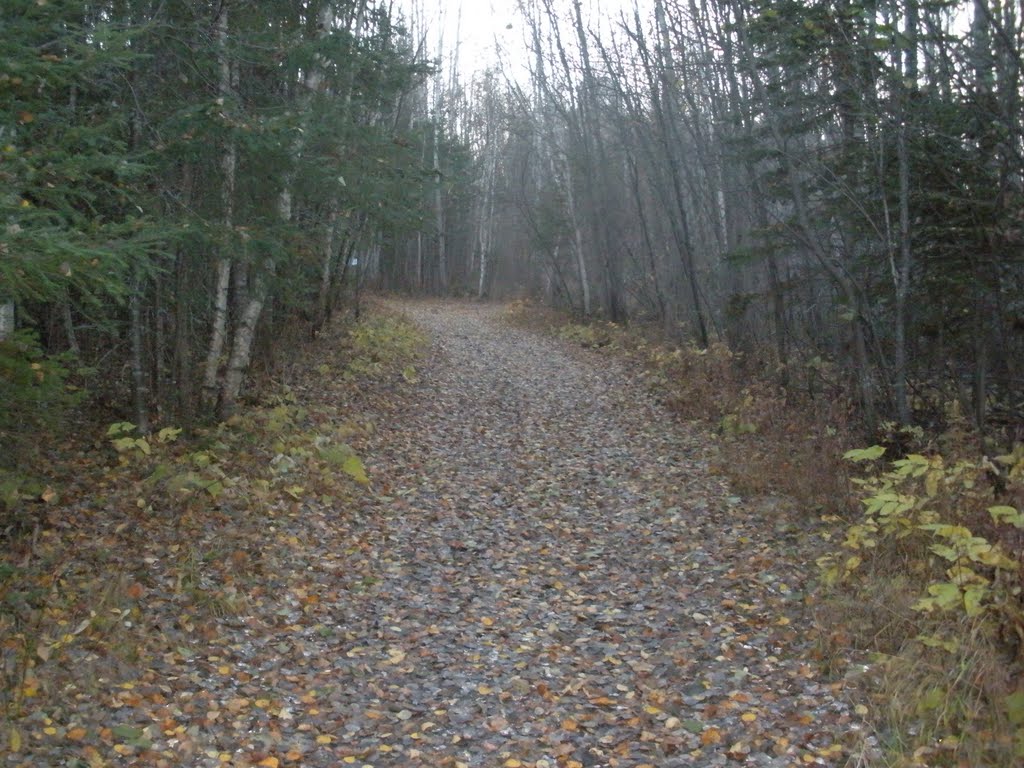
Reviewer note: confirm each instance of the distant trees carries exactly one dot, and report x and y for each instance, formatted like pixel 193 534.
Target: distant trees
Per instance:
pixel 836 188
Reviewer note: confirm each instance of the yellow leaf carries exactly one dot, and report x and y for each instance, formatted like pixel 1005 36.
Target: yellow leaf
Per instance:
pixel 324 738
pixel 512 763
pixel 748 717
pixel 14 741
pixel 269 762
pixel 487 621
pixel 224 669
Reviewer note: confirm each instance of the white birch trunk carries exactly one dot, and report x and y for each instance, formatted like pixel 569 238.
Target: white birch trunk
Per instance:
pixel 229 161
pixel 906 261
pixel 245 329
pixel 487 228
pixel 241 347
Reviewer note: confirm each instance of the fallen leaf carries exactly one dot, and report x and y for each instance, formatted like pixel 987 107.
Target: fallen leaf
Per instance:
pixel 711 736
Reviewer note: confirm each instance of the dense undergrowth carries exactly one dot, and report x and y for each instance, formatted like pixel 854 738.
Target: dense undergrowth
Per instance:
pixel 126 548
pixel 919 536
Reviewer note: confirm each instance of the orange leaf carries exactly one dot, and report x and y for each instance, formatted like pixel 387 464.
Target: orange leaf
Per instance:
pixel 269 762
pixel 711 736
pixel 136 590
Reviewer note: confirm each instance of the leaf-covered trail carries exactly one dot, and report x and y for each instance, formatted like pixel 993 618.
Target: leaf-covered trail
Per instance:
pixel 544 573
pixel 557 579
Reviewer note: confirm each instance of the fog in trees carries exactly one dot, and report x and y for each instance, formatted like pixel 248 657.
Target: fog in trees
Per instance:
pixel 833 190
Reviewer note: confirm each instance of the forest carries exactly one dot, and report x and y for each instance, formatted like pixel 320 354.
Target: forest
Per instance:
pixel 833 188
pixel 808 207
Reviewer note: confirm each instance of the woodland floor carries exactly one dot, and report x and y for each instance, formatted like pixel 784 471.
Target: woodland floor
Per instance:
pixel 545 573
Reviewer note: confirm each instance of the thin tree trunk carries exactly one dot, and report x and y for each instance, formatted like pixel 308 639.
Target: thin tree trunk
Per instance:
pixel 442 251
pixel 140 386
pixel 486 228
pixel 241 347
pixel 909 83
pixel 597 183
pixel 69 327
pixel 159 371
pixel 648 245
pixel 577 241
pixel 182 367
pixel 329 258
pixel 6 319
pixel 229 161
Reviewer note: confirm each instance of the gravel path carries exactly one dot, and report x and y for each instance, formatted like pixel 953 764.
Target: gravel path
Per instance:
pixel 561 581
pixel 543 573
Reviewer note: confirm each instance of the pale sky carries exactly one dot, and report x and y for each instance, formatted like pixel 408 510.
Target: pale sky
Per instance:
pixel 485 24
